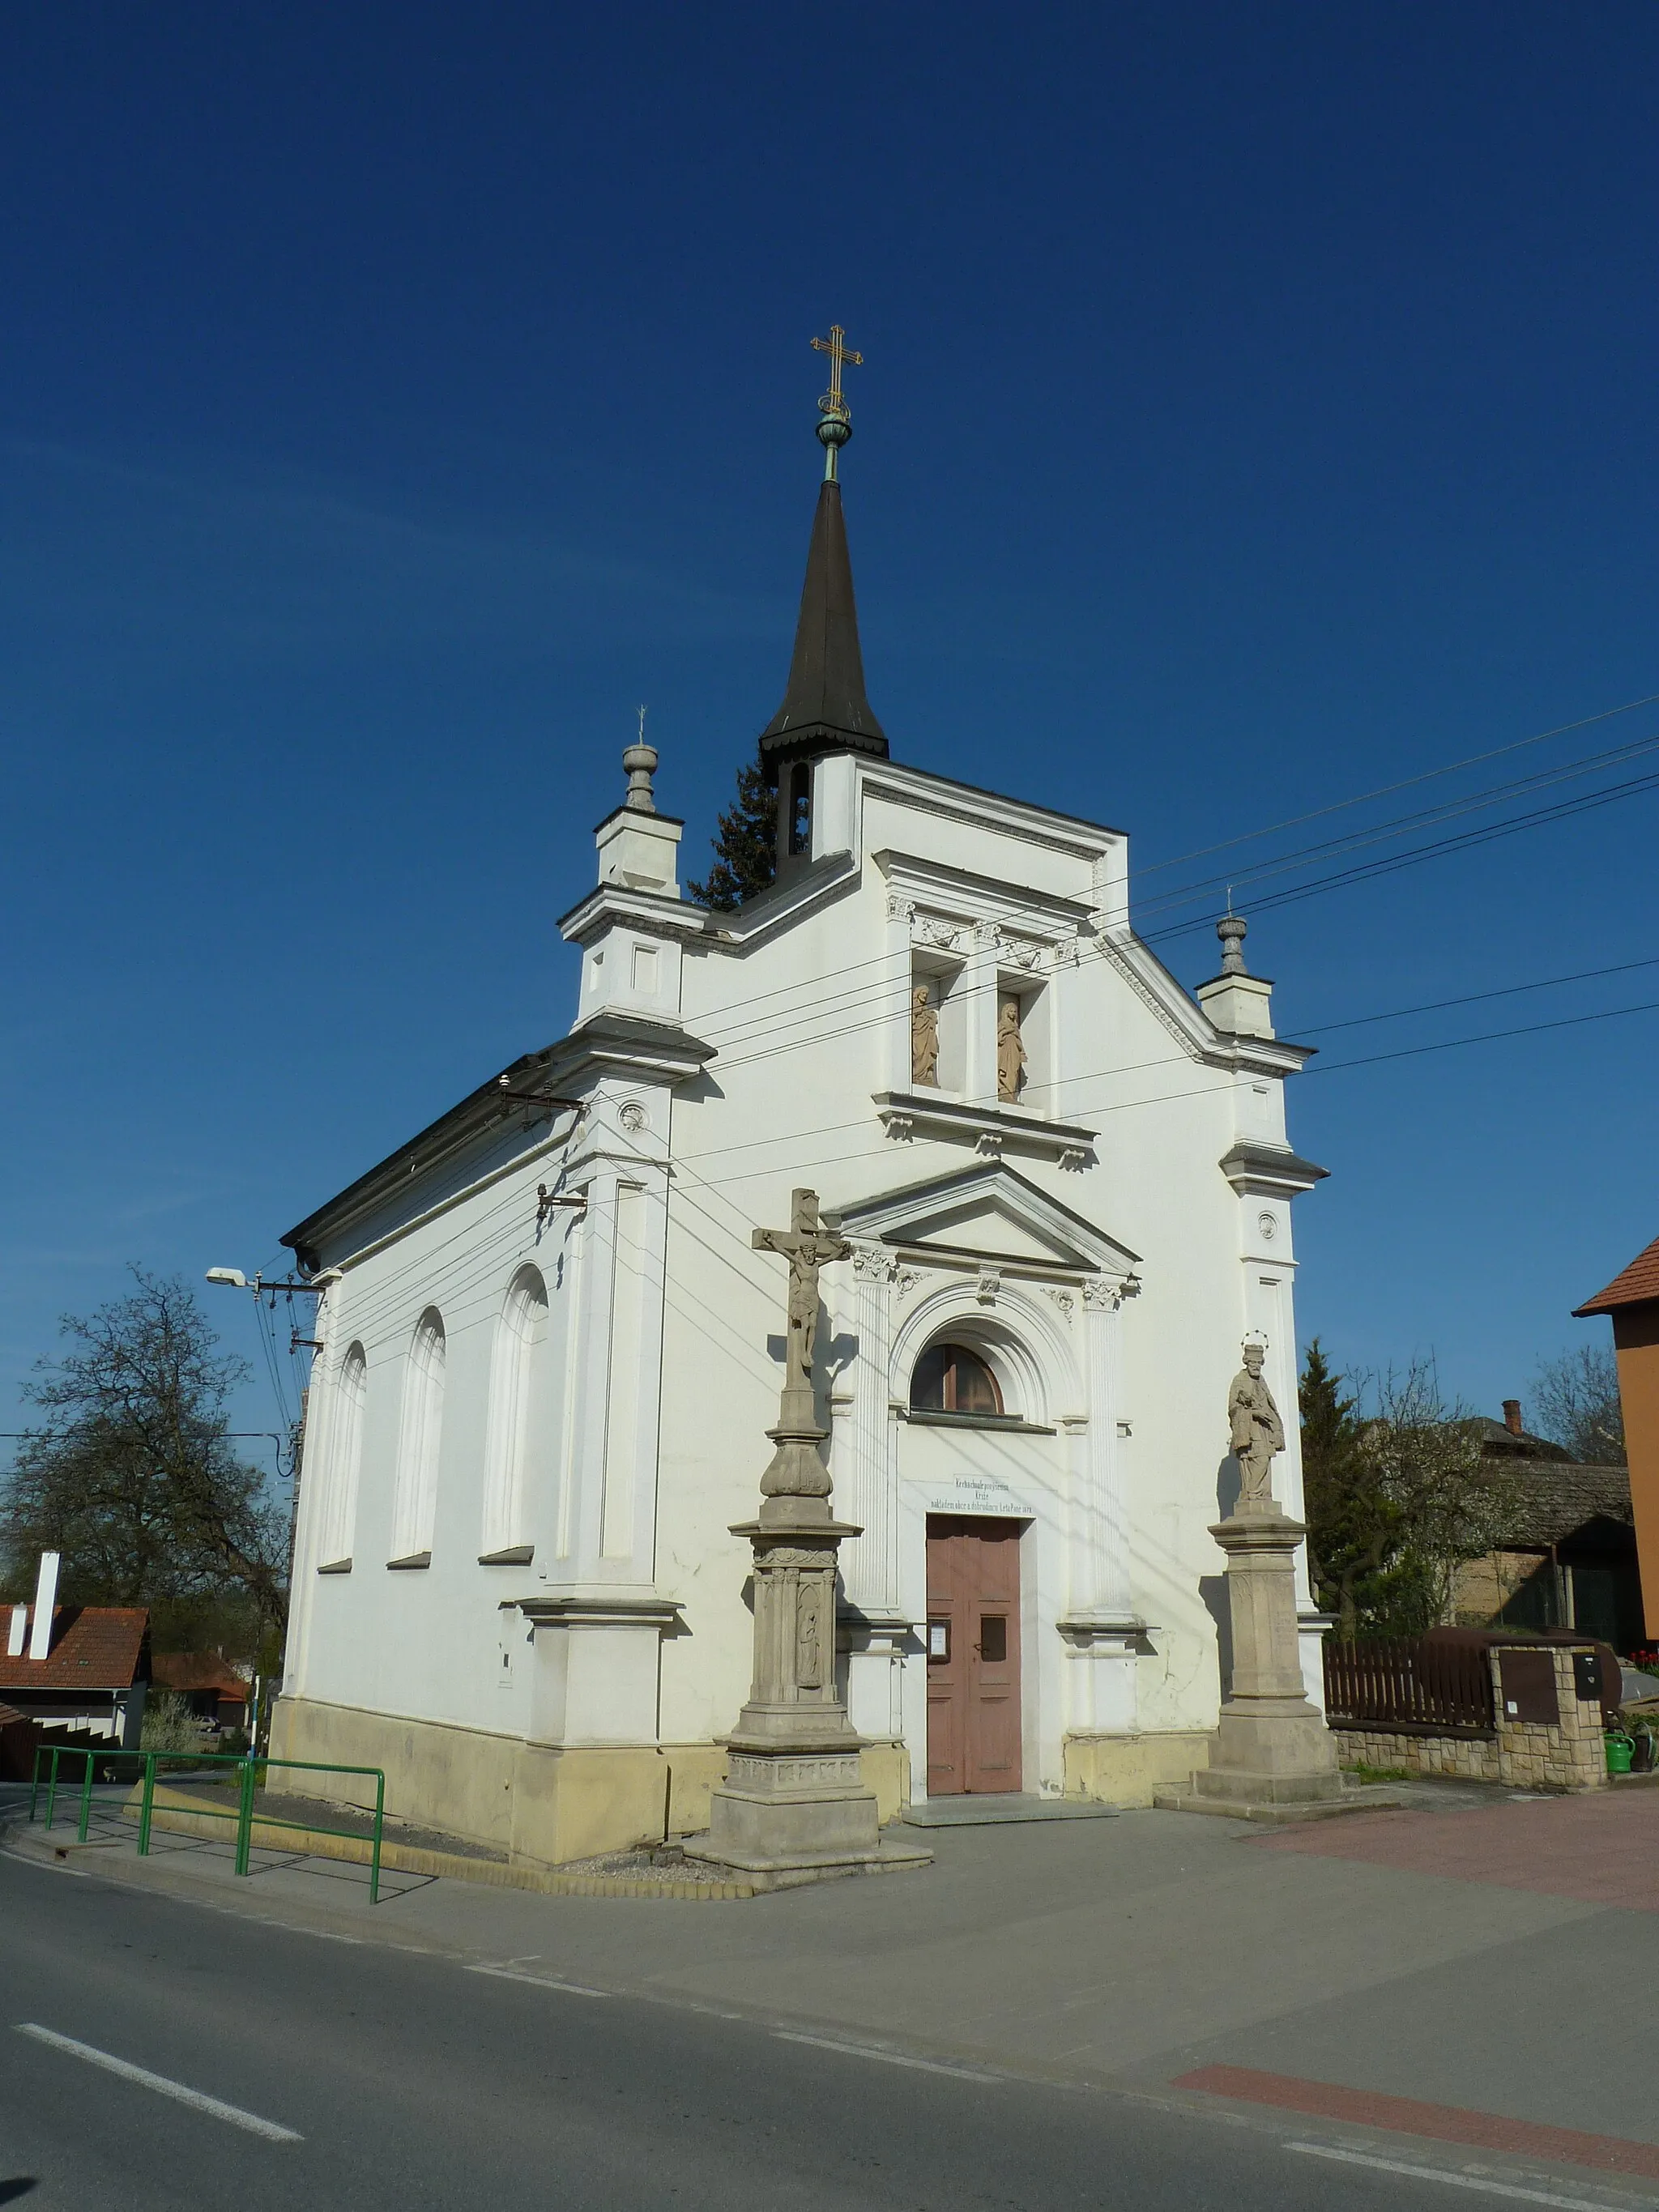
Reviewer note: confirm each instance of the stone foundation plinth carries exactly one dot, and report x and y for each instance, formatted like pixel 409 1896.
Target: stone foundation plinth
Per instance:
pixel 1274 1758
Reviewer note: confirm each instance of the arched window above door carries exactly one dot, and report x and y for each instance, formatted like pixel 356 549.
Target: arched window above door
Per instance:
pixel 951 1378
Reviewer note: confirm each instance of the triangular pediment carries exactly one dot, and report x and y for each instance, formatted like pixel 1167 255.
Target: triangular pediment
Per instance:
pixel 987 1212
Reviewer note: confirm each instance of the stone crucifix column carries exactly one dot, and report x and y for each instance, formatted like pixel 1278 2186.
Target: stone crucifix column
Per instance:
pixel 793 1801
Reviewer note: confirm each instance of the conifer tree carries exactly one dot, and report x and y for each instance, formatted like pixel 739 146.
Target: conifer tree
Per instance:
pixel 1352 1528
pixel 745 846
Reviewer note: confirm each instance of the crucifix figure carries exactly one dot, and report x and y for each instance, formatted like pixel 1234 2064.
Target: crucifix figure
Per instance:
pixel 806 1246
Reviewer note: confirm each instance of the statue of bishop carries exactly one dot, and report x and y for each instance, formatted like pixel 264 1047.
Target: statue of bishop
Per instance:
pixel 1258 1432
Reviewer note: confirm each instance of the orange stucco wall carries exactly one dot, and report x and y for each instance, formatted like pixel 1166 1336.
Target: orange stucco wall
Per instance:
pixel 1635 1339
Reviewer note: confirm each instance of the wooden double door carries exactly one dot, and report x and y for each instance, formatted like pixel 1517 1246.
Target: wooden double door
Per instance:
pixel 972 1655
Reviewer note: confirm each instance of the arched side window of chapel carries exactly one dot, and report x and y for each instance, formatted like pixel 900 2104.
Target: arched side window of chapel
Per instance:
pixel 953 1378
pixel 416 1509
pixel 345 1458
pixel 519 1335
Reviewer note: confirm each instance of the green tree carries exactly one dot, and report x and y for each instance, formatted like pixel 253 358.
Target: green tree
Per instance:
pixel 745 846
pixel 1353 1528
pixel 131 1473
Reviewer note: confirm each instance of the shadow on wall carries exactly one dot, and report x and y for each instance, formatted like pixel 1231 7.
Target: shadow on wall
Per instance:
pixel 1212 1588
pixel 1229 1486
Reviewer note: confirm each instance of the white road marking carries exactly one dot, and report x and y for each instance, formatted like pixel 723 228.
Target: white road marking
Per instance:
pixel 539 1981
pixel 1455 2181
pixel 891 2057
pixel 197 2100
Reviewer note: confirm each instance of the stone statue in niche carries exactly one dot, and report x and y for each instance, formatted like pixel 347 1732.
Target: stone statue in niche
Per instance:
pixel 1011 1050
pixel 924 1037
pixel 1258 1433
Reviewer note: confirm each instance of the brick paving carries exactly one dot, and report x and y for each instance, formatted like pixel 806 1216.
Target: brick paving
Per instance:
pixel 1437 2123
pixel 1601 1849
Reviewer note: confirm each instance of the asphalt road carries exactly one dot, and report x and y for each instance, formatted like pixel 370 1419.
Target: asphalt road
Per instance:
pixel 387 2078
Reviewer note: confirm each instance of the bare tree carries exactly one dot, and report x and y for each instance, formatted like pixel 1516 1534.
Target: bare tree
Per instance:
pixel 1575 1403
pixel 1398 1495
pixel 131 1473
pixel 1451 1503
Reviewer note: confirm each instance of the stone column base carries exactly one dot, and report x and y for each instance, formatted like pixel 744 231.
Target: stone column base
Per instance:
pixel 796 1811
pixel 1274 1757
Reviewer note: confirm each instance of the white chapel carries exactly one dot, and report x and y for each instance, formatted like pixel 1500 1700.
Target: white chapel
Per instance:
pixel 550 1351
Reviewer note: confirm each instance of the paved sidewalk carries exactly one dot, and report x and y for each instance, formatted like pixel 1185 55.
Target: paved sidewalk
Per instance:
pixel 1496 1957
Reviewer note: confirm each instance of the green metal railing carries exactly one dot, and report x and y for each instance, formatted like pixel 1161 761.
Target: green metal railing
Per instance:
pixel 252 1769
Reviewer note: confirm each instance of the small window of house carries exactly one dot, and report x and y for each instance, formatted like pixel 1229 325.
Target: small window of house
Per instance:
pixel 948 1378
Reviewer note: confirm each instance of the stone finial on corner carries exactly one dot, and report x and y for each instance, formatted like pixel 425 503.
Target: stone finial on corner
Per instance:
pixel 1231 929
pixel 639 760
pixel 639 847
pixel 1239 1003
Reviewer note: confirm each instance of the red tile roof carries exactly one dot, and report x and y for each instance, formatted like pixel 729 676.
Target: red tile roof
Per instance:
pixel 93 1647
pixel 1637 1285
pixel 197 1670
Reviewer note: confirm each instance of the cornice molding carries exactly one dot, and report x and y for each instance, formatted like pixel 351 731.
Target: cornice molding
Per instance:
pixel 992 1130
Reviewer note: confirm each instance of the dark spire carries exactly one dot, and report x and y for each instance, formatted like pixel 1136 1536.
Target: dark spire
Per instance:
pixel 824 709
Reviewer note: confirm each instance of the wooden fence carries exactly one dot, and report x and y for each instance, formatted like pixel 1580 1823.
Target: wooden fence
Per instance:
pixel 1393 1682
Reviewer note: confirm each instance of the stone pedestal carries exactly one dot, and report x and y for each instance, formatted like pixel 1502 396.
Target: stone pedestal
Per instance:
pixel 1274 1756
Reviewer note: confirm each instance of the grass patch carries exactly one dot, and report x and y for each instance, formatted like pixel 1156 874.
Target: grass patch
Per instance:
pixel 1362 1772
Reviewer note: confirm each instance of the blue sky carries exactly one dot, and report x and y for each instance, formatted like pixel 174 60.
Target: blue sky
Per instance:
pixel 1259 408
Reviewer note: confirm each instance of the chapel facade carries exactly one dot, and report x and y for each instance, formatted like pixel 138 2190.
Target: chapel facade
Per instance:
pixel 551 1352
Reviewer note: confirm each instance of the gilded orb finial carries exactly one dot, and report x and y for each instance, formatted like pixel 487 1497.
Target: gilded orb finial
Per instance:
pixel 835 418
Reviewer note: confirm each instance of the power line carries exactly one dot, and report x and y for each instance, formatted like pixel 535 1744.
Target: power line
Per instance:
pixel 687 1170
pixel 1486 1036
pixel 1490 793
pixel 1405 783
pixel 736 1029
pixel 1466 840
pixel 1355 840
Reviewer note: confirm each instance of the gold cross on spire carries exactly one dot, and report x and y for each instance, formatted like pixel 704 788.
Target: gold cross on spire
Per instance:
pixel 832 402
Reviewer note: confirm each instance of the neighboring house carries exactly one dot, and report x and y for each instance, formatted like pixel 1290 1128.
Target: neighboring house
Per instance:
pixel 215 1691
pixel 1630 1301
pixel 93 1677
pixel 1571 1560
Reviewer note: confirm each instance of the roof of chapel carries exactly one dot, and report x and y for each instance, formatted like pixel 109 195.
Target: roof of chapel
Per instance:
pixel 519 1089
pixel 825 707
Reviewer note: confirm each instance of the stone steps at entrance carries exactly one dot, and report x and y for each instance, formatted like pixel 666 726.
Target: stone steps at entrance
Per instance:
pixel 988 1809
